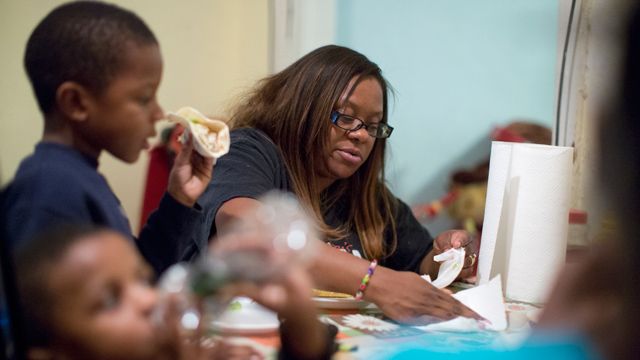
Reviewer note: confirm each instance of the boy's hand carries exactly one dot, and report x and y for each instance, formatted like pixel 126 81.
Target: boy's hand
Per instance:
pixel 190 175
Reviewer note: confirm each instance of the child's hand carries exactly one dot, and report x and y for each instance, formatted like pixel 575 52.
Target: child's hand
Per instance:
pixel 190 175
pixel 219 350
pixel 179 344
pixel 302 335
pixel 286 291
pixel 289 294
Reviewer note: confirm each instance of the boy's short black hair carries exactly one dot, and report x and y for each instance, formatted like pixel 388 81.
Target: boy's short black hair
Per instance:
pixel 81 41
pixel 33 261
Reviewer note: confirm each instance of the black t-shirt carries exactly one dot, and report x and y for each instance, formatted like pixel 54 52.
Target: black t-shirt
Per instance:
pixel 254 166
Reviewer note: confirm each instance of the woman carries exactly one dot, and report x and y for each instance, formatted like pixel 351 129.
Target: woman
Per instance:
pixel 319 130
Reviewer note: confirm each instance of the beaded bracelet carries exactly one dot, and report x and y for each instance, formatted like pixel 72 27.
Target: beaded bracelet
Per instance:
pixel 365 279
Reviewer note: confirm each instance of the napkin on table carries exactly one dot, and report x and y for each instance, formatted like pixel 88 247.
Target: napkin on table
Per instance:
pixel 486 300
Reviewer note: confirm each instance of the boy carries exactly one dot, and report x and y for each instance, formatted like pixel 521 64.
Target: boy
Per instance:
pixel 95 69
pixel 86 295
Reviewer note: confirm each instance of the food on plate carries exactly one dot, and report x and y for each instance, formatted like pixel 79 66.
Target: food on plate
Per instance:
pixel 210 137
pixel 330 294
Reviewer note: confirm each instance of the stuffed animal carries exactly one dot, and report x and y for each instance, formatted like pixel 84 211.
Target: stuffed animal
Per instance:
pixel 465 201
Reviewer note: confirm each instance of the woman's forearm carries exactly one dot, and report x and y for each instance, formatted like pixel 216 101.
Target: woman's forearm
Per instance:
pixel 336 270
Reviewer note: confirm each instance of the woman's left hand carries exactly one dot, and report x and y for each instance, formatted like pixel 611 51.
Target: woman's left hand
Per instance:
pixel 190 175
pixel 454 239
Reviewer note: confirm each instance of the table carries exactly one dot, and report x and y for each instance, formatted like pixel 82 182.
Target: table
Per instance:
pixel 362 344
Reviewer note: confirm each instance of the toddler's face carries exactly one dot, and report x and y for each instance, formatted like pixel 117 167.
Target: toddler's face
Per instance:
pixel 103 301
pixel 122 118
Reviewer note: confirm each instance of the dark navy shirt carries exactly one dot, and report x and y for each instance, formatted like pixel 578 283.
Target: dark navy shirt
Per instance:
pixel 255 166
pixel 59 185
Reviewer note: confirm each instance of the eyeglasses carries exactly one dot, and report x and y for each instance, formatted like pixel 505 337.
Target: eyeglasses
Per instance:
pixel 350 123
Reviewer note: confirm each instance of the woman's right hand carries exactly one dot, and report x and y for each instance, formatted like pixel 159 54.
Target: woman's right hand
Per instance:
pixel 406 297
pixel 402 296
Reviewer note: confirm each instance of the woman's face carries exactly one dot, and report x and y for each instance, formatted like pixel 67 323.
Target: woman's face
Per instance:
pixel 348 150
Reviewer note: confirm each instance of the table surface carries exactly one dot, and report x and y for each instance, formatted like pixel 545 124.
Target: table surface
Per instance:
pixel 365 344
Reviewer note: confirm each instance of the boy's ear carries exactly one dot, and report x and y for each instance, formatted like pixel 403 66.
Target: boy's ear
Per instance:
pixel 73 100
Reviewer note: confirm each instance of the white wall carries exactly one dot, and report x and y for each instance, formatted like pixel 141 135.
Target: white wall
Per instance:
pixel 212 50
pixel 300 26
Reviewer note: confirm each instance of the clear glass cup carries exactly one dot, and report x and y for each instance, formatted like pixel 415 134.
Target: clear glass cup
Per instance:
pixel 258 249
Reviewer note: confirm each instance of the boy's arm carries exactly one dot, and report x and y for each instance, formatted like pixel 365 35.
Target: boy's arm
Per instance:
pixel 168 235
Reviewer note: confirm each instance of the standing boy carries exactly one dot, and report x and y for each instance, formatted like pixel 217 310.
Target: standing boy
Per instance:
pixel 95 69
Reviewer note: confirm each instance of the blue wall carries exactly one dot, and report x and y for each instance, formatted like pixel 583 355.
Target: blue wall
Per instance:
pixel 459 67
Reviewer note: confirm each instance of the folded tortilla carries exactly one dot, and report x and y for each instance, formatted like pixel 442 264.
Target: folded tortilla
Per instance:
pixel 210 137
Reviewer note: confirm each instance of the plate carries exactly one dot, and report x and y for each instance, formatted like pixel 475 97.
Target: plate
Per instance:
pixel 339 303
pixel 246 317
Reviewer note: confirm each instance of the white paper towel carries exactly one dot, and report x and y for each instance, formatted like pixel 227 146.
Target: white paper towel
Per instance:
pixel 451 264
pixel 526 218
pixel 486 300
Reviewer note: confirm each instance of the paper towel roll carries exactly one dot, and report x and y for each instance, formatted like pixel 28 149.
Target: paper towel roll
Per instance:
pixel 526 218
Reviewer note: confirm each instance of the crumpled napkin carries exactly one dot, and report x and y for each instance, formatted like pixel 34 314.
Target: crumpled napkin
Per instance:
pixel 452 262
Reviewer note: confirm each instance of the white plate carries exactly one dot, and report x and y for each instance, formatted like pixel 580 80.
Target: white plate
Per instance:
pixel 249 318
pixel 339 303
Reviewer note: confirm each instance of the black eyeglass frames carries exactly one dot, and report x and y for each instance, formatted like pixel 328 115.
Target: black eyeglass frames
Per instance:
pixel 350 123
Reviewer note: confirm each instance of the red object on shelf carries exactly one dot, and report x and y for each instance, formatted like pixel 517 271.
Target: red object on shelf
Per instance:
pixel 504 134
pixel 577 216
pixel 433 208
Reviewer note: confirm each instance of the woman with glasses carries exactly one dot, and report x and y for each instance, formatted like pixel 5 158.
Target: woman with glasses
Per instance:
pixel 318 129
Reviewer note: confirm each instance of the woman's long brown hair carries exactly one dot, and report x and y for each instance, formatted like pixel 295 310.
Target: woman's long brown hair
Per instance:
pixel 293 108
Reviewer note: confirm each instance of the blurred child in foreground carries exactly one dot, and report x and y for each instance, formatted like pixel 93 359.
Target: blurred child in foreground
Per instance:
pixel 86 294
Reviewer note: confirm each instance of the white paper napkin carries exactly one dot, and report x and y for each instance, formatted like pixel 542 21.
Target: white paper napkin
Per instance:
pixel 452 262
pixel 486 300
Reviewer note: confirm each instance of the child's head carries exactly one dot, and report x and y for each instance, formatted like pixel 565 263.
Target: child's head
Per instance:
pixel 95 69
pixel 85 294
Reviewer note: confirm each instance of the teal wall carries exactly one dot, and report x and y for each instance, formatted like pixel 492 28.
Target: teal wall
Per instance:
pixel 459 68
